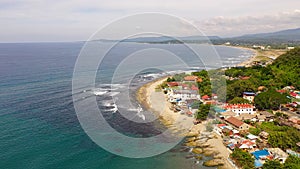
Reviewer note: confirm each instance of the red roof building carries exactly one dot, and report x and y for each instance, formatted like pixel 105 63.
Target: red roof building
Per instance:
pixel 192 79
pixel 205 97
pixel 194 87
pixel 239 109
pixel 172 84
pixel 237 123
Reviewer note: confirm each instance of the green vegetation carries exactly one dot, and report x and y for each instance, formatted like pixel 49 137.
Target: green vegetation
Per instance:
pixel 163 85
pixel 179 77
pixel 284 137
pixel 242 159
pixel 237 100
pixel 196 104
pixel 292 162
pixel 254 131
pixel 171 79
pixel 285 71
pixel 272 164
pixel 270 100
pixel 203 112
pixel 205 85
pixel 237 87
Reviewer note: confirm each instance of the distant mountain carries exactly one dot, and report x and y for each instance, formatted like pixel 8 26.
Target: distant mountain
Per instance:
pixel 166 39
pixel 285 36
pixel 290 34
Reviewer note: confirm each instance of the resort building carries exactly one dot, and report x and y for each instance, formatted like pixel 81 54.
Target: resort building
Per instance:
pixel 239 109
pixel 182 95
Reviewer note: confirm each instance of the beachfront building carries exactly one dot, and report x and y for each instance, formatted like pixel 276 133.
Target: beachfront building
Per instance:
pixel 249 96
pixel 239 109
pixel 182 95
pixel 238 124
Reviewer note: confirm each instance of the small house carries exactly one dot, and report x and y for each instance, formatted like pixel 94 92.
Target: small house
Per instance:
pixel 249 96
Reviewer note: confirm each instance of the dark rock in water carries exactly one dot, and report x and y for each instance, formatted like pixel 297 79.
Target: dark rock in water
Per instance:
pixel 198 157
pixel 184 149
pixel 190 156
pixel 174 150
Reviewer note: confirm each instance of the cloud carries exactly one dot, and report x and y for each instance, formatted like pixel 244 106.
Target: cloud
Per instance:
pixel 55 20
pixel 232 26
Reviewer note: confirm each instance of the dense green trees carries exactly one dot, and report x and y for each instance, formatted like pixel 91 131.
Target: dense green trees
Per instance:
pixel 203 112
pixel 272 164
pixel 238 100
pixel 196 105
pixel 292 162
pixel 285 71
pixel 242 159
pixel 270 100
pixel 284 137
pixel 254 131
pixel 171 79
pixel 204 86
pixel 237 87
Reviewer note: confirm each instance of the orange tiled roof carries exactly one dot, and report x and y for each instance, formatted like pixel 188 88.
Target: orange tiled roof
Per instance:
pixel 191 78
pixel 238 106
pixel 234 121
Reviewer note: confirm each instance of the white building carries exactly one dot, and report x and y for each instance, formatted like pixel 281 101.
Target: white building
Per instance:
pixel 239 109
pixel 176 95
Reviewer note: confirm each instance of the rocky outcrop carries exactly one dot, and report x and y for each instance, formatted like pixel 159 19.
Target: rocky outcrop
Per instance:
pixel 197 150
pixel 213 163
pixel 208 152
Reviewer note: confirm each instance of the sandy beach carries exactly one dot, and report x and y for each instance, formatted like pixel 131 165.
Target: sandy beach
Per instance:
pixel 260 55
pixel 156 101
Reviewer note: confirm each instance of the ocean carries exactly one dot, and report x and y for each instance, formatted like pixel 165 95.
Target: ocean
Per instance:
pixel 38 124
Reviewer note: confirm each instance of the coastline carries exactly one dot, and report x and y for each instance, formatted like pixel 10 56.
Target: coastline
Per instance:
pixel 249 60
pixel 259 55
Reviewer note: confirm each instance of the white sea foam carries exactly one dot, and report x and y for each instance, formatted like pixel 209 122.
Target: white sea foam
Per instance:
pixel 113 93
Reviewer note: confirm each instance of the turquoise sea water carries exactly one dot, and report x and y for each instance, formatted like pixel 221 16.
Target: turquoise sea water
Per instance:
pixel 38 124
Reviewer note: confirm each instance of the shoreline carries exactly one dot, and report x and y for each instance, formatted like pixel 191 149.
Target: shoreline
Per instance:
pixel 268 55
pixel 249 60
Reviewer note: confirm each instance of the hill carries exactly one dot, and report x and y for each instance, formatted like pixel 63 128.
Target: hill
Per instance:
pixel 284 71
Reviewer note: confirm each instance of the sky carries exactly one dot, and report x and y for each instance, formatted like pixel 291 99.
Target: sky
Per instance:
pixel 76 20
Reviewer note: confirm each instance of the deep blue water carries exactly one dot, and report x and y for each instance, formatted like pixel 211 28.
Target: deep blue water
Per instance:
pixel 38 124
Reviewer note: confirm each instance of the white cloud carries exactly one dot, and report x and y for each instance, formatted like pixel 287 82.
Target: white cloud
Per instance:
pixel 233 26
pixel 55 20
